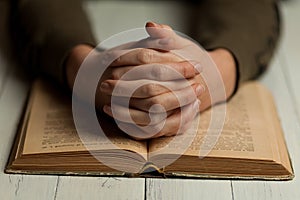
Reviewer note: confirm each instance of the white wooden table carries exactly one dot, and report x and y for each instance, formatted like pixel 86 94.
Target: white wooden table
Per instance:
pixel 283 79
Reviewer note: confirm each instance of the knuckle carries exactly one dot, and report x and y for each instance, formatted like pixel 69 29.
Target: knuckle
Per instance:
pixel 158 72
pixel 145 56
pixel 150 89
pixel 154 101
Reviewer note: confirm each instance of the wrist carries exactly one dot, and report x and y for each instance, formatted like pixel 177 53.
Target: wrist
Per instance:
pixel 74 61
pixel 227 67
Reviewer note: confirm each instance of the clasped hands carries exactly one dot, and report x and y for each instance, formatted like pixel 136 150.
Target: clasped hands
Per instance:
pixel 182 94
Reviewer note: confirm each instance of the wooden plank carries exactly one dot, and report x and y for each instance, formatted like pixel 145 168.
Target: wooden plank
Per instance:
pixel 187 189
pixel 18 186
pixel 290 49
pixel 100 188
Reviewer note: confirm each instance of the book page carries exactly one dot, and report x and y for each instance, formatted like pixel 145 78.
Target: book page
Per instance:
pixel 51 128
pixel 247 131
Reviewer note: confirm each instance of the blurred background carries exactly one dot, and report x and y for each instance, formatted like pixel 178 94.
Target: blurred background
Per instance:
pixel 134 14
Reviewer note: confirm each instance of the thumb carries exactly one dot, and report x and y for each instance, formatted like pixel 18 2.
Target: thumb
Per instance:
pixel 158 31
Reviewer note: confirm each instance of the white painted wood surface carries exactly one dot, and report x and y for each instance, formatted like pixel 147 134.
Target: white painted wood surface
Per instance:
pixel 282 79
pixel 100 188
pixel 188 189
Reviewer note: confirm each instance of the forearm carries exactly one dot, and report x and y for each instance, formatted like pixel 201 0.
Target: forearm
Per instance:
pixel 46 31
pixel 249 29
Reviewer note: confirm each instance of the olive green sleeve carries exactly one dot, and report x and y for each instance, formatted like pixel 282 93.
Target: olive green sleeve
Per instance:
pixel 46 30
pixel 247 28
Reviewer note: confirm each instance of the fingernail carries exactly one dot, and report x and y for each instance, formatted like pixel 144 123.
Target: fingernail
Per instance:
pixel 151 24
pixel 104 86
pixel 199 89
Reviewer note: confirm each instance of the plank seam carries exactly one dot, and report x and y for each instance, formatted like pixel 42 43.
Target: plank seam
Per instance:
pixel 56 188
pixel 145 189
pixel 232 191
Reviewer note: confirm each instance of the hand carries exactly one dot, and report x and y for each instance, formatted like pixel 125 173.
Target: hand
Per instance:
pixel 224 60
pixel 153 65
pixel 150 74
pixel 155 94
pixel 225 64
pixel 151 93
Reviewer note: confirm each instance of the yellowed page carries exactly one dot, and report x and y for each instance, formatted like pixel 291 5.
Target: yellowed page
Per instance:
pixel 277 140
pixel 51 128
pixel 247 132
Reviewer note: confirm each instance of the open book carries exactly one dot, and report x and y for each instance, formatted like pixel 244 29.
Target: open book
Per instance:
pixel 251 144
